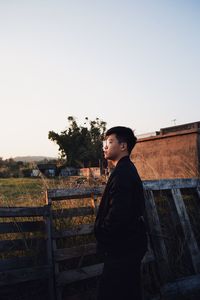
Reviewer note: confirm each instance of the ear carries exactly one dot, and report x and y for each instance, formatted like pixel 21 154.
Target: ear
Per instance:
pixel 124 146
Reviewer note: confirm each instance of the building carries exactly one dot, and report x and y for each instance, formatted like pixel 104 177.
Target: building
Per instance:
pixel 172 152
pixel 68 171
pixel 94 172
pixel 48 170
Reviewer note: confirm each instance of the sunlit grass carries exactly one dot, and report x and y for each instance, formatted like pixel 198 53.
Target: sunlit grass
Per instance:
pixel 22 192
pixel 32 191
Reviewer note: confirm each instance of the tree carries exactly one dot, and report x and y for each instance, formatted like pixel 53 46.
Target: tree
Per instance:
pixel 81 145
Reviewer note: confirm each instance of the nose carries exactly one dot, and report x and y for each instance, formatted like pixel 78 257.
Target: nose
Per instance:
pixel 104 145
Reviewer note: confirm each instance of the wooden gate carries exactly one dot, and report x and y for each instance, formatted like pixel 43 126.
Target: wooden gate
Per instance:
pixel 173 218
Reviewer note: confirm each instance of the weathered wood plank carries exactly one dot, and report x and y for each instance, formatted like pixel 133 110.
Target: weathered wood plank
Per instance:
pixel 23 275
pixel 68 277
pixel 13 227
pixel 87 249
pixel 198 191
pixel 49 249
pixel 24 211
pixel 20 262
pixel 56 273
pixel 187 229
pixel 21 244
pixel 54 291
pixel 68 253
pixel 76 193
pixel 168 184
pixel 73 212
pixel 73 193
pixel 181 288
pixel 95 205
pixel 155 233
pixel 76 230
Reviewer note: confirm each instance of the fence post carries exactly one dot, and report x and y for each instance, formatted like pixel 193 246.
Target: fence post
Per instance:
pixel 50 261
pixel 187 229
pixel 198 191
pixel 94 200
pixel 156 237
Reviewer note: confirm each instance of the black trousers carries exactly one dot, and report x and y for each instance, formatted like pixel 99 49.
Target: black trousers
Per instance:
pixel 121 278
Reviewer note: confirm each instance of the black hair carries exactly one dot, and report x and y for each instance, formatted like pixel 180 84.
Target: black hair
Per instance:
pixel 123 135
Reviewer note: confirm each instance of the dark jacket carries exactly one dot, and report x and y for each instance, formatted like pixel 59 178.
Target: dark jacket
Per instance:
pixel 119 226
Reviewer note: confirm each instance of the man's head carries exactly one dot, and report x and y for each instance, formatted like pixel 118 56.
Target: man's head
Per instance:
pixel 119 142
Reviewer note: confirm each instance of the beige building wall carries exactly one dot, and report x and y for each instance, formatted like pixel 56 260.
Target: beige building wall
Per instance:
pixel 168 154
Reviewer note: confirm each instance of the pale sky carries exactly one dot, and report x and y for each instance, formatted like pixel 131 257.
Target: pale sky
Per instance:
pixel 132 63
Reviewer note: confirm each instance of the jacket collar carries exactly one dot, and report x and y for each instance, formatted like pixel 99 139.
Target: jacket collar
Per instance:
pixel 123 159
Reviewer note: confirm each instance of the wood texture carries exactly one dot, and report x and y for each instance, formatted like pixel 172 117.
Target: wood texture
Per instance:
pixel 70 276
pixel 82 229
pixel 156 239
pixel 187 229
pixel 23 275
pixel 24 211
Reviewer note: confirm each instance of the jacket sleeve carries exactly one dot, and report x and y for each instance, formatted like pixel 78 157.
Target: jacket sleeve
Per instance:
pixel 123 211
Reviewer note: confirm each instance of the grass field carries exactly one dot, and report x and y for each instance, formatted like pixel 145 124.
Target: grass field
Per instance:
pixel 26 191
pixel 18 191
pixel 31 191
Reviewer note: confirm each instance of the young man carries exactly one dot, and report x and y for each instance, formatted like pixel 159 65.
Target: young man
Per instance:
pixel 119 227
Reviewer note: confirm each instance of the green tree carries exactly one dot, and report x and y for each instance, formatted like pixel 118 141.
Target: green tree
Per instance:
pixel 81 146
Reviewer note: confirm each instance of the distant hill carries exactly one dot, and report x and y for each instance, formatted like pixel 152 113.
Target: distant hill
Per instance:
pixel 32 158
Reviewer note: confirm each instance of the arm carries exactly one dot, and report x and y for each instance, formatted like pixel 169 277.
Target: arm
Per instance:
pixel 122 212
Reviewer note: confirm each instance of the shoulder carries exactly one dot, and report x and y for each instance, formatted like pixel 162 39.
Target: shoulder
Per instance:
pixel 125 174
pixel 127 168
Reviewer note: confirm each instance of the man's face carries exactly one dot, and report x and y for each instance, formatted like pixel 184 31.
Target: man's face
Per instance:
pixel 112 148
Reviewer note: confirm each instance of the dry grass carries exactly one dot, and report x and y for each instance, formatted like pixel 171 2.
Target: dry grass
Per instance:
pixel 31 191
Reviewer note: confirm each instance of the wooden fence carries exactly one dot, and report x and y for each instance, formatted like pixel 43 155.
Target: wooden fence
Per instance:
pixel 57 244
pixel 25 248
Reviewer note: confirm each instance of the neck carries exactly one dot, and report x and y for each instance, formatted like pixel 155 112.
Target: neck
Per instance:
pixel 115 161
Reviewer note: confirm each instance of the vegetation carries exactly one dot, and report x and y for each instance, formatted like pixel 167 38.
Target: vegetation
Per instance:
pixel 12 168
pixel 31 191
pixel 19 169
pixel 21 191
pixel 81 146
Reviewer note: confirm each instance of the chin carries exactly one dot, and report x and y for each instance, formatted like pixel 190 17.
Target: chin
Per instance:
pixel 108 158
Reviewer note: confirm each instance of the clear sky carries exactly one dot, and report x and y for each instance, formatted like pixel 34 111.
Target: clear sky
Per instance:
pixel 132 63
